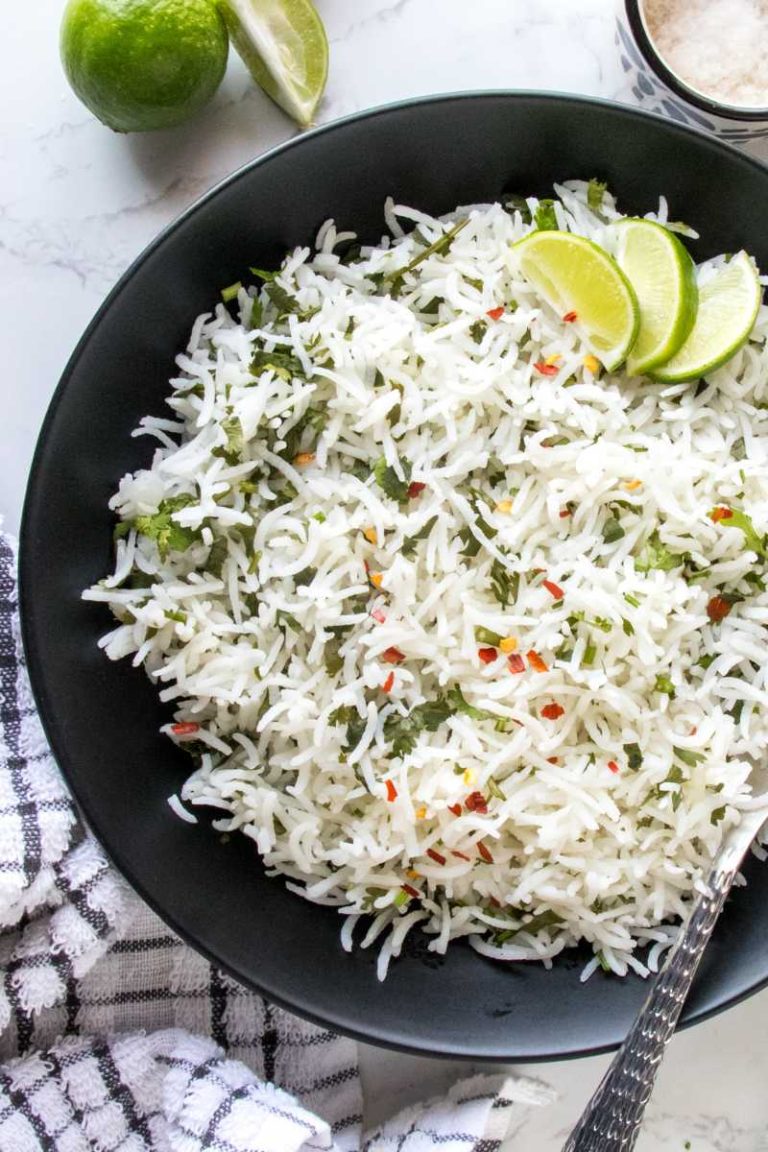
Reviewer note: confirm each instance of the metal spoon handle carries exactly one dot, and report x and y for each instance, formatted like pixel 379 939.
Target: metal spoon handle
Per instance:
pixel 611 1120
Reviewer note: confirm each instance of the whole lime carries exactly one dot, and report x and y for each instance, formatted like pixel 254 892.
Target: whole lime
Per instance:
pixel 143 64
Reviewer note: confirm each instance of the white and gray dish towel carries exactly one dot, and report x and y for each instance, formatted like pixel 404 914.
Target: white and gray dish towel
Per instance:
pixel 116 1037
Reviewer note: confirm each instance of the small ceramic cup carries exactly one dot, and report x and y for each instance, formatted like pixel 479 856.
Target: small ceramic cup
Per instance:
pixel 653 85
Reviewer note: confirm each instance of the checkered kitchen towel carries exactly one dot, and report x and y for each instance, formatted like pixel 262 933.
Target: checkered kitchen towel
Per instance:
pixel 116 1037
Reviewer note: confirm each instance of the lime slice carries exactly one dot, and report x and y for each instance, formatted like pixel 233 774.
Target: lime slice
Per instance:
pixel 663 275
pixel 575 276
pixel 284 47
pixel 728 304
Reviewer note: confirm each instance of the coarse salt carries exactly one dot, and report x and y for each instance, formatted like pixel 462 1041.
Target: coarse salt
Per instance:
pixel 719 48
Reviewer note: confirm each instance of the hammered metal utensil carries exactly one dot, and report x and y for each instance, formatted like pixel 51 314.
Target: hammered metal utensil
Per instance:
pixel 612 1119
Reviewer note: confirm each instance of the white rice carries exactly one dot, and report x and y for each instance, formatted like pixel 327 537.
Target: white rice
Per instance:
pixel 575 843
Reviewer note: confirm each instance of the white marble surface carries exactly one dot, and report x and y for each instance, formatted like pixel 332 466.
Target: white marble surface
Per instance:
pixel 78 203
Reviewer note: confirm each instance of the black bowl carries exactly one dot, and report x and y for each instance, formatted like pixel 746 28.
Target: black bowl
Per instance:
pixel 102 719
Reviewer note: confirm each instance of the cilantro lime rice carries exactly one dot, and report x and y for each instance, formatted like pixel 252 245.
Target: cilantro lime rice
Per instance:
pixel 463 632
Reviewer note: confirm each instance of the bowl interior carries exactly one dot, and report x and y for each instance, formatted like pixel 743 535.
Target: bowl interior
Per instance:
pixel 102 718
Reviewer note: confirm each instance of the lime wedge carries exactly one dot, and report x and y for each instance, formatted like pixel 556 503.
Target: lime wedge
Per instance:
pixel 728 304
pixel 663 275
pixel 573 275
pixel 284 47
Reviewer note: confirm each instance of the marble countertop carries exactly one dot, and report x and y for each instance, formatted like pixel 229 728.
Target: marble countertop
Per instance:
pixel 78 203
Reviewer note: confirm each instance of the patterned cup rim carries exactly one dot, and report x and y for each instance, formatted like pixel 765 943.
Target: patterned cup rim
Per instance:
pixel 673 81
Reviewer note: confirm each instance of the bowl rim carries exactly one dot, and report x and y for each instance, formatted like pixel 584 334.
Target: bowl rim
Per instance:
pixel 657 63
pixel 53 724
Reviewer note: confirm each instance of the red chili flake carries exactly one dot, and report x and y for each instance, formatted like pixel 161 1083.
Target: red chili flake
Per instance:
pixel 554 589
pixel 387 685
pixel 459 855
pixel 415 488
pixel 495 313
pixel 613 766
pixel 475 802
pixel 185 729
pixel 494 903
pixel 515 663
pixel 721 513
pixel 378 616
pixel 536 662
pixel 412 892
pixel 438 859
pixel 570 317
pixel 455 808
pixel 484 852
pixel 717 609
pixel 546 369
pixel 552 711
pixel 391 791
pixel 487 655
pixel 553 760
pixel 565 513
pixel 392 656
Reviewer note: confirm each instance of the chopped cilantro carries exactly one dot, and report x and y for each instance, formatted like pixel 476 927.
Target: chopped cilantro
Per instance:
pixel 388 480
pixel 545 217
pixel 439 247
pixel 459 704
pixel 716 816
pixel 355 724
pixel 546 919
pixel 495 790
pixel 280 297
pixel 281 361
pixel 753 540
pixel 163 529
pixel 505 585
pixel 230 292
pixel 612 530
pixel 655 554
pixel 478 330
pixel 634 756
pixel 286 620
pixel 486 636
pixel 519 204
pixel 596 190
pixel 403 731
pixel 665 686
pixel 217 554
pixel 313 419
pixel 231 450
pixel 334 662
pixel 688 757
pixel 408 547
